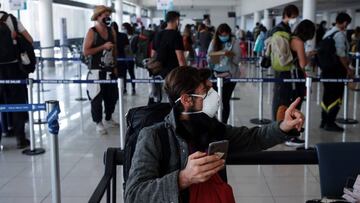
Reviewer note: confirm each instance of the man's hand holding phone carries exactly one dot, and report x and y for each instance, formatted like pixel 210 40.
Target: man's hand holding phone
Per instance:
pixel 200 168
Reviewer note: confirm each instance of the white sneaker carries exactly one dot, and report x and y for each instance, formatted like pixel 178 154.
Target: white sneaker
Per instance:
pixel 111 123
pixel 100 129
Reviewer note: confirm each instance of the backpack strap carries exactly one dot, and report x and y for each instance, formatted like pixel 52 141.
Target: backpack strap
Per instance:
pixel 15 23
pixel 165 146
pixel 333 34
pixel 96 34
pixel 4 17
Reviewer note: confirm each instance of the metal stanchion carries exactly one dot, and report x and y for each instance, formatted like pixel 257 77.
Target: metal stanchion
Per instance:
pixel 346 120
pixel 39 120
pixel 41 73
pixel 220 85
pixel 80 98
pixel 269 74
pixel 318 87
pixel 357 62
pixel 53 110
pixel 307 111
pixel 355 105
pixel 32 150
pixel 260 120
pixel 120 82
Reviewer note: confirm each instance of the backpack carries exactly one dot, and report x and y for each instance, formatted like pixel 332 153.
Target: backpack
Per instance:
pixel 326 55
pixel 8 52
pixel 26 50
pixel 142 48
pixel 281 56
pixel 138 118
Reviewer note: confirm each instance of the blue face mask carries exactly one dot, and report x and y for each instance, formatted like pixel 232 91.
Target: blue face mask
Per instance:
pixel 224 39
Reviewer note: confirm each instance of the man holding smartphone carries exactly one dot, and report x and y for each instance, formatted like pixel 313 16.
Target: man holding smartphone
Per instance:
pixel 191 127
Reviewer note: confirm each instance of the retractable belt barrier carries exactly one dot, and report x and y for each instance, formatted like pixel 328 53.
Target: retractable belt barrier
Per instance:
pixel 22 107
pixel 77 59
pixel 53 110
pixel 237 80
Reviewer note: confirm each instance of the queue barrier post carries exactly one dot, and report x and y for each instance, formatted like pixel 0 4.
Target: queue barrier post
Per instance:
pixel 357 60
pixel 53 110
pixel 346 120
pixel 260 120
pixel 33 150
pixel 307 111
pixel 120 82
pixel 39 121
pixel 318 90
pixel 220 85
pixel 80 98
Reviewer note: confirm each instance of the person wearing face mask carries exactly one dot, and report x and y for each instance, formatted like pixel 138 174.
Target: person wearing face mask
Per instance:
pixel 191 126
pixel 228 65
pixel 99 46
pixel 290 14
pixel 168 49
pixel 289 19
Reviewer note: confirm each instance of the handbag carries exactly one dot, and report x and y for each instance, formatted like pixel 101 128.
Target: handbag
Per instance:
pixel 153 66
pixel 265 62
pixel 215 190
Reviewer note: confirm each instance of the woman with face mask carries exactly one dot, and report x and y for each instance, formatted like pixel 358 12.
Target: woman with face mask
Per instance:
pixel 99 47
pixel 225 45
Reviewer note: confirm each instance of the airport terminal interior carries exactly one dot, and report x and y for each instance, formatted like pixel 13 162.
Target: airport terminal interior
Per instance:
pixel 58 29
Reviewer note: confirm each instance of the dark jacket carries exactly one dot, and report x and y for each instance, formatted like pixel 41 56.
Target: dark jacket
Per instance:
pixel 145 183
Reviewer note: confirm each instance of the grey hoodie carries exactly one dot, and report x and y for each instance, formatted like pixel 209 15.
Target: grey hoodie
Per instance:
pixel 146 184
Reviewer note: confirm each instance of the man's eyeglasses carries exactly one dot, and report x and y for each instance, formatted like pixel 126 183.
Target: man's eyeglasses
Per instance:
pixel 203 96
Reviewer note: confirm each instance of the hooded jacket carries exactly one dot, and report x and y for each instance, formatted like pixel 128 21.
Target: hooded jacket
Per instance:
pixel 146 184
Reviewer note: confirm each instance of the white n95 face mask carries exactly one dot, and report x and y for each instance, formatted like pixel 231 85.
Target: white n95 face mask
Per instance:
pixel 292 22
pixel 211 103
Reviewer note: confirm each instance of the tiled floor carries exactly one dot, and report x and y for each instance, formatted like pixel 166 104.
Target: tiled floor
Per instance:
pixel 27 179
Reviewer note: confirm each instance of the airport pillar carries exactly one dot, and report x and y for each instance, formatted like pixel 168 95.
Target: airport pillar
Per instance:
pixel 119 11
pixel 243 22
pixel 267 19
pixel 46 28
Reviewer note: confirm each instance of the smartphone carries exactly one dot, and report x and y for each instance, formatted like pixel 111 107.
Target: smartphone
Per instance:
pixel 219 148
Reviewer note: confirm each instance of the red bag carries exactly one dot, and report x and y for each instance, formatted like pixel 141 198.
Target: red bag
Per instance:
pixel 215 190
